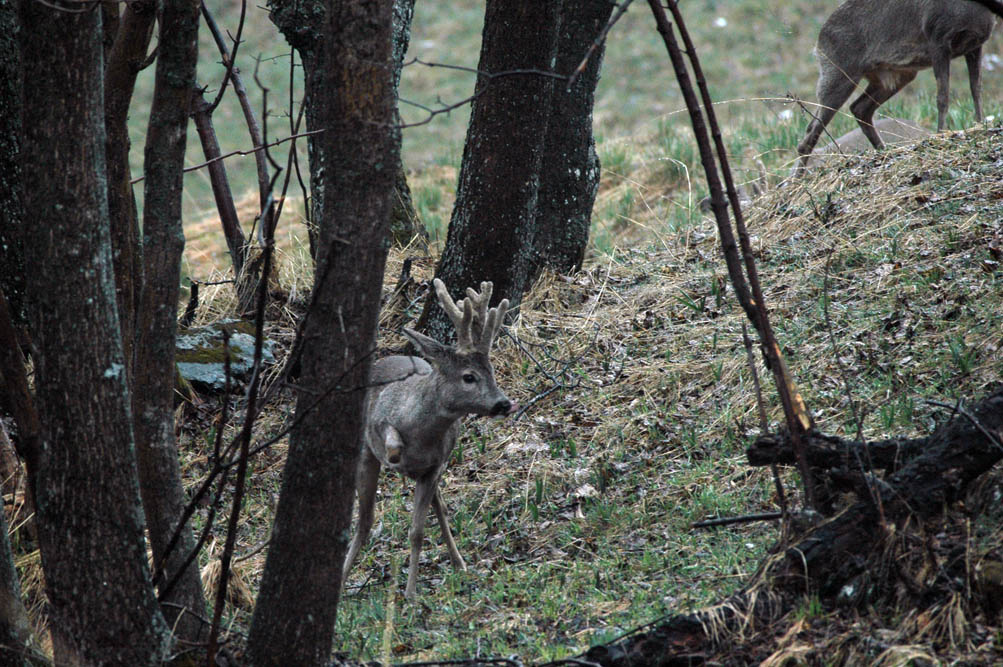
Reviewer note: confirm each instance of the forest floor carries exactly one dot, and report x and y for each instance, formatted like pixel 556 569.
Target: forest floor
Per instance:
pixel 884 279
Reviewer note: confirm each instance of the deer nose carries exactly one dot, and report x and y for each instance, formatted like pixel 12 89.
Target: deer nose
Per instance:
pixel 502 407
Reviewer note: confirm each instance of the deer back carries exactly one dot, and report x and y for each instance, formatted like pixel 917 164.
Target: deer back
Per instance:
pixel 862 36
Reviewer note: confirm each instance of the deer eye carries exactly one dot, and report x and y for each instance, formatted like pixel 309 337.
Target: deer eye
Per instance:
pixel 469 378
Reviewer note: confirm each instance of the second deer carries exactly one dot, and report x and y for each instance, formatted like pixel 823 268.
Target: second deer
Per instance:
pixel 414 409
pixel 887 43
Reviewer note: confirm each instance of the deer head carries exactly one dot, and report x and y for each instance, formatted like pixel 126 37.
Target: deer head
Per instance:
pixel 467 384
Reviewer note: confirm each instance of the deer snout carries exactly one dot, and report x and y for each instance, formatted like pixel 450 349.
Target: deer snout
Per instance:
pixel 502 407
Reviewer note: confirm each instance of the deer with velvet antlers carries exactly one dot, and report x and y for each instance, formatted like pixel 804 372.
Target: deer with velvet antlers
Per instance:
pixel 414 409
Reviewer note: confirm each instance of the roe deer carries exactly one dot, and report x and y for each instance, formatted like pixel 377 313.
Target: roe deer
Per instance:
pixel 887 43
pixel 414 408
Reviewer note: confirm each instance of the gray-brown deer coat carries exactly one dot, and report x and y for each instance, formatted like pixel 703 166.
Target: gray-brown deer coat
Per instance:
pixel 887 42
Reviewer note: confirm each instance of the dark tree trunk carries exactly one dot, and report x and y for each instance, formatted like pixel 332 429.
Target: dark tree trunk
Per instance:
pixel 294 616
pixel 125 57
pixel 493 227
pixel 11 206
pixel 156 325
pixel 569 178
pixel 89 520
pixel 302 24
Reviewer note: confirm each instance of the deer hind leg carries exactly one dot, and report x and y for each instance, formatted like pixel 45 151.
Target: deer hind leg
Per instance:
pixel 447 536
pixel 879 90
pixel 942 72
pixel 834 88
pixel 367 481
pixel 424 492
pixel 974 61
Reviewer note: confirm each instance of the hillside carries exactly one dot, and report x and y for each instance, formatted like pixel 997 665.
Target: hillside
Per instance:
pixel 884 280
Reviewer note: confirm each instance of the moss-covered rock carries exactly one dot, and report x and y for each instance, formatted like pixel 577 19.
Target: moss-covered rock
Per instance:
pixel 200 353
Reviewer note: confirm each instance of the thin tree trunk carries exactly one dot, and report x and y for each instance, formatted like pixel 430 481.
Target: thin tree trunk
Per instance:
pixel 90 526
pixel 125 57
pixel 569 177
pixel 163 244
pixel 295 612
pixel 493 227
pixel 236 242
pixel 404 222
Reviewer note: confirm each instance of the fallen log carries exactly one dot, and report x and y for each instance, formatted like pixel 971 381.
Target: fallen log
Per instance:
pixel 837 553
pixel 827 451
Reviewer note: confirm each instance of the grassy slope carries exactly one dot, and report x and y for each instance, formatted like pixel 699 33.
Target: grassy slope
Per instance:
pixel 574 520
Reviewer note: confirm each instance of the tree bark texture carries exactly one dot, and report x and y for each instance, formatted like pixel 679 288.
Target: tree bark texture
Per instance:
pixel 156 325
pixel 301 22
pixel 90 522
pixel 11 205
pixel 294 616
pixel 493 227
pixel 404 222
pixel 569 177
pixel 125 57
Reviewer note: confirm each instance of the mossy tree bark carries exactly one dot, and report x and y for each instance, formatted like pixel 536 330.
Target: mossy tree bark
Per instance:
pixel 295 612
pixel 302 24
pixel 492 232
pixel 89 520
pixel 569 179
pixel 156 323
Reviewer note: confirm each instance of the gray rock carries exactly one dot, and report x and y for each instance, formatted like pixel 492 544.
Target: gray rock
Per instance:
pixel 200 353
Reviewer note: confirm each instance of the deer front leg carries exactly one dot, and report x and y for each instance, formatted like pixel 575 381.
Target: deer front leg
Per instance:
pixel 366 483
pixel 424 492
pixel 447 536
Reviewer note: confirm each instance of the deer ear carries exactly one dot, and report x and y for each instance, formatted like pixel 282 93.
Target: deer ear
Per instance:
pixel 429 348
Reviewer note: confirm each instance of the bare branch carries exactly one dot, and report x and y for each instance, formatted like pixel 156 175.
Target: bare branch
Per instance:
pixel 242 152
pixel 620 11
pixel 445 109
